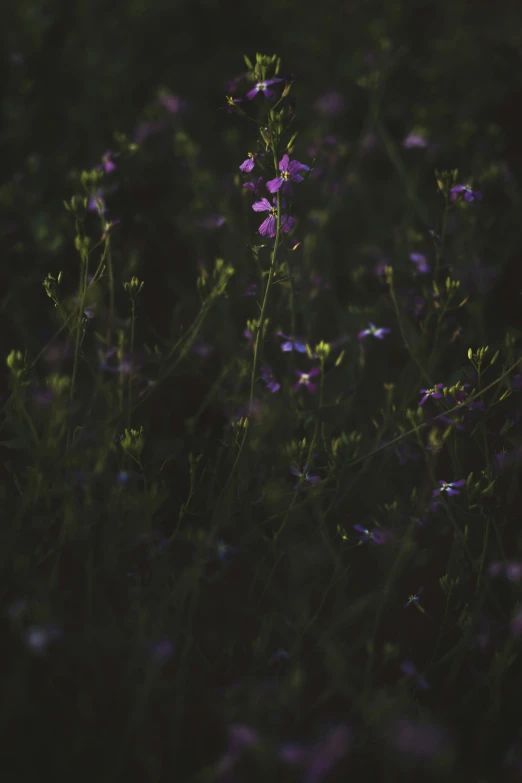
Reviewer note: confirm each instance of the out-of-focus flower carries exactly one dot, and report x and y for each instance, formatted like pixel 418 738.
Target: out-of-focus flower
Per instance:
pixel 107 165
pixel 312 479
pixel 330 104
pixel 413 599
pixel 410 670
pixel 289 173
pixel 418 740
pixel 171 102
pixel 292 343
pixel 420 261
pixel 449 488
pixel 511 569
pixel 254 185
pixel 240 737
pixel 304 380
pixel 38 638
pixel 225 550
pixel 374 332
pixel 268 379
pixel 269 226
pixel 377 536
pixel 251 290
pixel 414 140
pixel 319 760
pixel 210 222
pixel 465 192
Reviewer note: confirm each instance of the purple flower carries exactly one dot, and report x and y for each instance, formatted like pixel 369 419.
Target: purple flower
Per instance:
pixel 412 599
pixel 251 290
pixel 107 165
pixel 268 378
pixel 292 343
pixel 420 260
pixel 224 550
pixel 240 737
pixel 413 140
pixel 448 487
pixel 330 104
pixel 289 173
pixel 377 536
pixel 211 221
pixel 374 331
pixel 97 204
pixel 418 740
pixel 171 102
pixel 512 569
pixel 304 380
pixel 322 758
pixel 434 392
pixel 254 185
pixel 269 226
pixel 465 191
pixel 263 87
pixel 312 479
pixel 249 163
pixel 409 669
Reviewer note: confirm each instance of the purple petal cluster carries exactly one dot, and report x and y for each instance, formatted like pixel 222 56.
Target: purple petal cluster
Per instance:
pixel 269 226
pixel 464 192
pixel 372 330
pixel 289 173
pixel 304 380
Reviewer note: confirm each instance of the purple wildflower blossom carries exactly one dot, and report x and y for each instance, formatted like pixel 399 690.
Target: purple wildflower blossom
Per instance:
pixel 413 599
pixel 414 140
pixel 251 290
pixel 434 392
pixel 250 162
pixel 225 550
pixel 268 378
pixel 322 758
pixel 512 570
pixel 107 165
pixel 312 479
pixel 410 670
pixel 171 102
pixel 263 87
pixel 304 380
pixel 269 226
pixel 254 185
pixel 444 486
pixel 377 536
pixel 330 104
pixel 374 331
pixel 240 737
pixel 420 260
pixel 97 204
pixel 289 173
pixel 465 192
pixel 292 343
